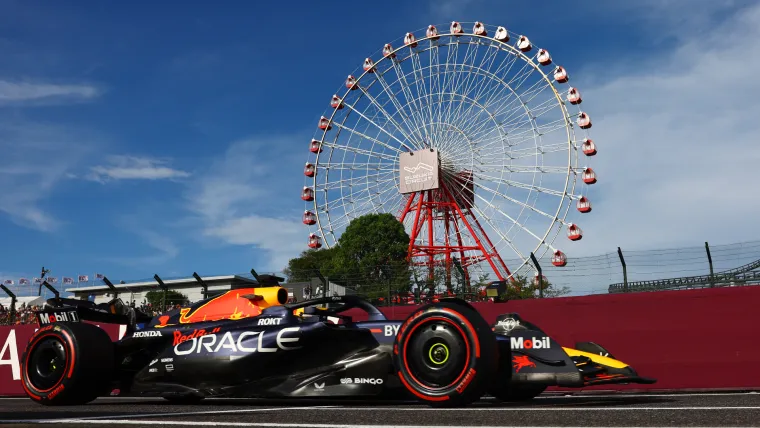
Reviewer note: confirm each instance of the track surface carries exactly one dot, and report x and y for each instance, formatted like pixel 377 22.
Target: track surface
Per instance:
pixel 618 410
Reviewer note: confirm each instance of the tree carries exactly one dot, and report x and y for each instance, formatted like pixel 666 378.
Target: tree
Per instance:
pixel 155 298
pixel 311 261
pixel 520 288
pixel 371 256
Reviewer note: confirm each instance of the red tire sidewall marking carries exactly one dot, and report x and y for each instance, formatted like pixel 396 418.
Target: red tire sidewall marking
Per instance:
pixel 70 354
pixel 469 325
pixel 467 347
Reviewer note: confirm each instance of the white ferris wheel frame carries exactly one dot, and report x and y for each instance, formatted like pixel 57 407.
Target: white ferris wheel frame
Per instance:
pixel 572 170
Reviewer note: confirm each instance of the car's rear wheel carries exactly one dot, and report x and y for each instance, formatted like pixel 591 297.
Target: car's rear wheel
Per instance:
pixel 445 354
pixel 67 364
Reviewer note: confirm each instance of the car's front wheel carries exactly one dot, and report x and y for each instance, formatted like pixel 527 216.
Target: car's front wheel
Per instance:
pixel 445 354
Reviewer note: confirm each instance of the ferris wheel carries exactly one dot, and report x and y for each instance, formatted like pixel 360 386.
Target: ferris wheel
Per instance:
pixel 471 139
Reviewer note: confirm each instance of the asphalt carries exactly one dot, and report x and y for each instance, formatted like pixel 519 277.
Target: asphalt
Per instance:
pixel 610 410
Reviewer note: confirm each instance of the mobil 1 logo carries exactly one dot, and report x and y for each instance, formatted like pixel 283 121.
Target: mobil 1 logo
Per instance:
pixel 46 318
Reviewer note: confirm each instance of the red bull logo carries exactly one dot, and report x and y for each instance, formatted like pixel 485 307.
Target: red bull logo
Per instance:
pixel 179 337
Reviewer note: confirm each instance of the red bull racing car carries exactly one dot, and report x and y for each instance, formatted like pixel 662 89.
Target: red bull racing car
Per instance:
pixel 250 342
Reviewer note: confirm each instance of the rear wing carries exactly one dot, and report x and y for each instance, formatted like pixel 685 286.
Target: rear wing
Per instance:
pixel 73 310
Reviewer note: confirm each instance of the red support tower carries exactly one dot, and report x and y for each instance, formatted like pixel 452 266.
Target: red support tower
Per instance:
pixel 440 206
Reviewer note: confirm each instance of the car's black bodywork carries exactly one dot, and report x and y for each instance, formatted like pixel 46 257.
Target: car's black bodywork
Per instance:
pixel 304 350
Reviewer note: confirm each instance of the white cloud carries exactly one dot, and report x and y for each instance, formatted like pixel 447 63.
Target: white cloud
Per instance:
pixel 134 168
pixel 281 238
pixel 244 201
pixel 36 157
pixel 28 92
pixel 677 138
pixel 165 248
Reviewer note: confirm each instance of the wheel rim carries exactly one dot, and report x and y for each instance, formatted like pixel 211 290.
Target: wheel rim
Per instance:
pixel 439 353
pixel 432 354
pixel 47 364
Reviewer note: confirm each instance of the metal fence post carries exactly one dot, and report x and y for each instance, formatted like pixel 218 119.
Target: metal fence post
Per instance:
pixel 163 287
pixel 12 313
pixel 540 276
pixel 709 260
pixel 203 284
pixel 111 286
pixel 625 271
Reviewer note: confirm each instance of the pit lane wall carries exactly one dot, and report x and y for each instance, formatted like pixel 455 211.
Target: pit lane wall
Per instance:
pixel 691 339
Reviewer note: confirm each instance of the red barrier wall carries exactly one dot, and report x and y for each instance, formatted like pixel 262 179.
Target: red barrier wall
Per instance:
pixel 13 340
pixel 687 339
pixel 691 339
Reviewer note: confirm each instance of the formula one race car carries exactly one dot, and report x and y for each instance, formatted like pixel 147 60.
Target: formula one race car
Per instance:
pixel 249 343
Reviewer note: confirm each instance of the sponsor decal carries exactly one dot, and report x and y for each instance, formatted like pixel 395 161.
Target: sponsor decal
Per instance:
pixel 179 337
pixel 361 380
pixel 153 370
pixel 169 367
pixel 167 360
pixel 9 355
pixel 213 343
pixel 270 321
pixel 391 330
pixel 521 362
pixel 508 323
pixel 147 333
pixel 319 386
pixel 49 318
pixel 534 343
pixel 153 362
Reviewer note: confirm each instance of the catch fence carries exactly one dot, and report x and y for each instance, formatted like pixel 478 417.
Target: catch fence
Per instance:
pixel 619 271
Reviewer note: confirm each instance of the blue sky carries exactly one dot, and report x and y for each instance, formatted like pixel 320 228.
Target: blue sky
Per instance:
pixel 142 137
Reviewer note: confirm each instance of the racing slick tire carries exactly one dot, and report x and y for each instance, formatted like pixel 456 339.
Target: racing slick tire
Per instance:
pixel 445 354
pixel 67 364
pixel 512 393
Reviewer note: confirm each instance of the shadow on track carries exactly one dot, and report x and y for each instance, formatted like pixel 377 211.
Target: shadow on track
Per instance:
pixel 118 408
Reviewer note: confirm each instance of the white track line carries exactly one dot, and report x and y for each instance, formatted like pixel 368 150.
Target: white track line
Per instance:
pixel 127 419
pixel 265 424
pixel 100 419
pixel 551 395
pixel 625 395
pixel 529 409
